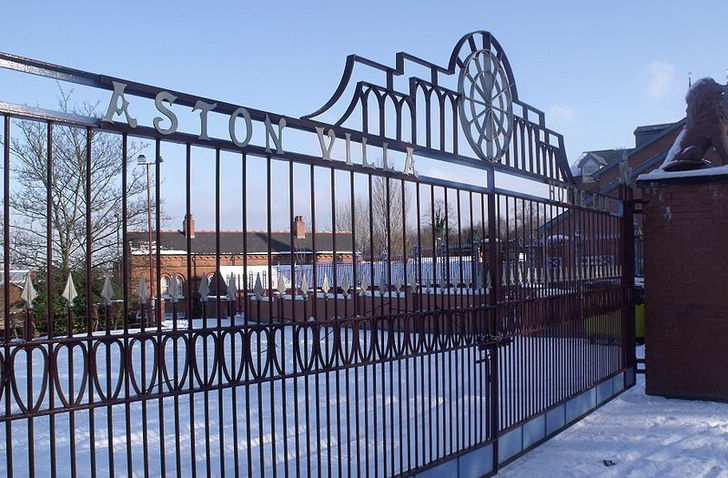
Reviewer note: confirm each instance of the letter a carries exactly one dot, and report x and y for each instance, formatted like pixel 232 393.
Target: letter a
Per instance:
pixel 115 109
pixel 409 163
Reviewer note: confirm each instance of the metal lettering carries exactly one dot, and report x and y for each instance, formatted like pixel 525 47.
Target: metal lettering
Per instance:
pixel 326 150
pixel 248 127
pixel 115 109
pixel 409 163
pixel 385 158
pixel 203 108
pixel 348 148
pixel 159 100
pixel 270 134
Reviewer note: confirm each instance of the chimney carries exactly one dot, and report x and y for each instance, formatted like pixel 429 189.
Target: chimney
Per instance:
pixel 188 225
pixel 299 227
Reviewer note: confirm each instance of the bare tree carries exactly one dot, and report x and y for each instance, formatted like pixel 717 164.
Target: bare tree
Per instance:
pixel 68 192
pixel 379 231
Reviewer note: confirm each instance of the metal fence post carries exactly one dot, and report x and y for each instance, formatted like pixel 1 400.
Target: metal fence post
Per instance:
pixel 628 268
pixel 493 295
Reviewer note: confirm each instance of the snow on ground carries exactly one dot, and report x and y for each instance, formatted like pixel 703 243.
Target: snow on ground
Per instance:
pixel 383 417
pixel 644 436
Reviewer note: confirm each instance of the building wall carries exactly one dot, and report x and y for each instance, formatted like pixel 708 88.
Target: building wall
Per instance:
pixel 14 297
pixel 172 265
pixel 686 238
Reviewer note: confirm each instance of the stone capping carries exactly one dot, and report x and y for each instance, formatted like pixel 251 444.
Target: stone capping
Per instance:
pixel 708 175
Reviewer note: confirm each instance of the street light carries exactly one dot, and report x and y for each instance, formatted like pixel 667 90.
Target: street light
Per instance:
pixel 142 161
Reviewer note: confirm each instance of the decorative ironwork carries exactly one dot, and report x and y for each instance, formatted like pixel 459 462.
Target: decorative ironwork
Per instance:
pixel 378 375
pixel 486 107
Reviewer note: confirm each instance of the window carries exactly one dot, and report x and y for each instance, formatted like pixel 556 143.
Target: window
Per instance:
pixel 166 283
pixel 588 168
pixel 180 286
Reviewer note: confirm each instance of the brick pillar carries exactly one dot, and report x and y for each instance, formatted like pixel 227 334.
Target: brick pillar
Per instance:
pixel 686 284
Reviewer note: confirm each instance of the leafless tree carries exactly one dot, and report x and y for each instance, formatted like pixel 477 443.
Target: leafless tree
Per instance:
pixel 68 192
pixel 379 228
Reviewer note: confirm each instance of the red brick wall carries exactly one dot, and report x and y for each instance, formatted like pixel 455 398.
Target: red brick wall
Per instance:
pixel 686 287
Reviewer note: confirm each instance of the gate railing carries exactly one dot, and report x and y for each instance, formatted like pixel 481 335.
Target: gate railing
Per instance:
pixel 384 366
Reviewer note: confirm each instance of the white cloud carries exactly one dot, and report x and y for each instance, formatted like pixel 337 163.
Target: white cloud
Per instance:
pixel 659 79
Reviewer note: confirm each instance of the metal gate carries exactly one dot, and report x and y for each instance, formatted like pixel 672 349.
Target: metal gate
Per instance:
pixel 365 301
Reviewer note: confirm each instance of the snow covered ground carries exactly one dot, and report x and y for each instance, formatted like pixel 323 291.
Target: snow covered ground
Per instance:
pixel 643 436
pixel 384 417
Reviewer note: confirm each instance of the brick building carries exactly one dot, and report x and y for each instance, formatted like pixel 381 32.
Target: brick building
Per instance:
pixel 246 256
pixel 601 171
pixel 16 283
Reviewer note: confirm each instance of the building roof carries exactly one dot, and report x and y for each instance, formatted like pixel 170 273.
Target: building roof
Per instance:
pixel 604 157
pixel 236 242
pixel 17 277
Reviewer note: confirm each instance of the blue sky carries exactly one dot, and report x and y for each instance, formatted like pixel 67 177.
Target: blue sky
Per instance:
pixel 598 69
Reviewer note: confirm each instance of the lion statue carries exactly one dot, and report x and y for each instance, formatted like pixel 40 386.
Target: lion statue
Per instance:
pixel 706 125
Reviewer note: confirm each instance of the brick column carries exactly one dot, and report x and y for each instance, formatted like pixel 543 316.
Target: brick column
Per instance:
pixel 686 284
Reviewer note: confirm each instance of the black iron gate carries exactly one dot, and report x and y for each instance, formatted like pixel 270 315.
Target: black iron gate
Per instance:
pixel 344 314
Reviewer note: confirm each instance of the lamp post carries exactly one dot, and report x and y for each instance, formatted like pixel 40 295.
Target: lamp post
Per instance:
pixel 142 161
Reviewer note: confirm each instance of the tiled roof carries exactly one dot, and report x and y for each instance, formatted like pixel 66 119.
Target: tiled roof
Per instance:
pixel 253 242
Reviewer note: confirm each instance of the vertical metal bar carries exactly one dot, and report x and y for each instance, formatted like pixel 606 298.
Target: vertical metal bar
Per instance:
pixel 271 337
pixel 283 346
pixel 408 336
pixel 628 325
pixel 89 289
pixel 493 298
pixel 436 326
pixel 420 438
pixel 336 327
pixel 158 345
pixel 373 339
pixel 388 269
pixel 190 348
pixel 125 292
pixel 219 357
pixel 6 290
pixel 52 366
pixel 314 307
pixel 248 431
pixel 355 333
pixel 294 327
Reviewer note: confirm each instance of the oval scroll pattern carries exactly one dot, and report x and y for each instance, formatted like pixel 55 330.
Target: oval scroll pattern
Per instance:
pixel 86 372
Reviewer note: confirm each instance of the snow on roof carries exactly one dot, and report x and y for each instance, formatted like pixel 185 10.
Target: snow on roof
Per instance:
pixel 674 149
pixel 659 174
pixel 557 238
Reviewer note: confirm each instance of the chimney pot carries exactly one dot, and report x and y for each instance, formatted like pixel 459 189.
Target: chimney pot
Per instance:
pixel 188 226
pixel 299 227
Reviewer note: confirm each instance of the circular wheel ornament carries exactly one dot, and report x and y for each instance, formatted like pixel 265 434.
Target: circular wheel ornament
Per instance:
pixel 486 105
